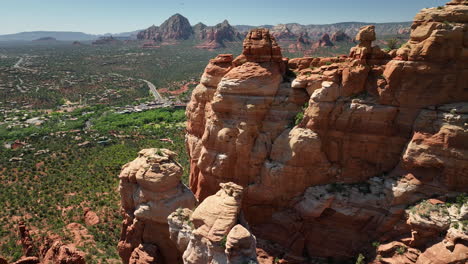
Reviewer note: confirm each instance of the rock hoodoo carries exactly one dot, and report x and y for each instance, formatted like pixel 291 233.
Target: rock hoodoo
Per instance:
pixel 380 133
pixel 151 190
pixel 215 232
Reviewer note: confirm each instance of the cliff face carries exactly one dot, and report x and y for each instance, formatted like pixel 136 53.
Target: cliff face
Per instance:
pixel 381 132
pixel 214 37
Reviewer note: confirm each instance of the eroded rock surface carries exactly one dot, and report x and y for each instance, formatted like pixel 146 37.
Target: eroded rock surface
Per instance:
pixel 151 189
pixel 381 132
pixel 214 232
pixel 60 253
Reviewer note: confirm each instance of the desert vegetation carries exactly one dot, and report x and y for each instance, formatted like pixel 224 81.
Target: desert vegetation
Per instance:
pixel 68 165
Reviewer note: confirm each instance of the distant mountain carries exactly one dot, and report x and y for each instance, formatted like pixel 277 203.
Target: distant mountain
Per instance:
pixel 246 28
pixel 214 37
pixel 58 35
pixel 123 35
pixel 64 36
pixel 106 41
pixel 177 27
pixel 316 31
pixel 46 39
pixel 340 36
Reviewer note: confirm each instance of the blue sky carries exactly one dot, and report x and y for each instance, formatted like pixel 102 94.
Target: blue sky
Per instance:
pixel 104 16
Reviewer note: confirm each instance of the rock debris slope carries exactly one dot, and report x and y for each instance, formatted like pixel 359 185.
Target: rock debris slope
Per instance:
pixel 331 152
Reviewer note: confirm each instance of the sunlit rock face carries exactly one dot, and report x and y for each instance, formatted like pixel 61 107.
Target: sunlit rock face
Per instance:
pixel 214 232
pixel 380 132
pixel 151 190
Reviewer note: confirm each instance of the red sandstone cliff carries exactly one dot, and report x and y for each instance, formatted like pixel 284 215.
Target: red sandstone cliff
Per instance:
pixel 314 159
pixel 381 132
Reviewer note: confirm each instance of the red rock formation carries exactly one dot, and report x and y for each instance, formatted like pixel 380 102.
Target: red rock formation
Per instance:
pixel 91 218
pixel 259 46
pixel 151 189
pixel 152 33
pixel 66 254
pixel 324 41
pixel 51 251
pixel 211 234
pixel 177 27
pixel 216 36
pixel 258 76
pixel 26 241
pixel 145 254
pixel 303 42
pixel 340 36
pixel 378 134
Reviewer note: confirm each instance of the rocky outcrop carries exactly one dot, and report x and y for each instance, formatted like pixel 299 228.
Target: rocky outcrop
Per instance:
pixel 364 50
pixel 199 30
pixel 324 41
pixel 215 37
pixel 151 189
pixel 29 250
pixel 177 27
pixel 378 134
pixel 60 253
pixel 145 254
pixel 340 36
pixel 303 43
pixel 256 74
pixel 152 33
pixel 51 250
pixel 215 232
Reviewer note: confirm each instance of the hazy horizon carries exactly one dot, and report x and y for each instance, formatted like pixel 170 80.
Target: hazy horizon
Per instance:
pixel 105 16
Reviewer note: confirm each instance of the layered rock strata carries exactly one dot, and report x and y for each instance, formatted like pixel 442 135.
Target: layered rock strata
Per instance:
pixel 215 37
pixel 151 190
pixel 215 231
pixel 379 132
